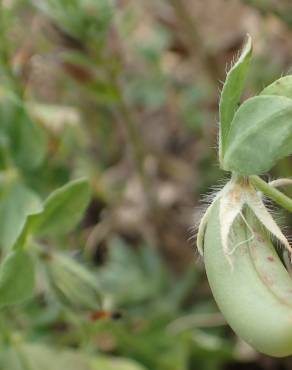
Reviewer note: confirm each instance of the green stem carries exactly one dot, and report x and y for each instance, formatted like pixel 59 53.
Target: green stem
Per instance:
pixel 272 193
pixel 280 182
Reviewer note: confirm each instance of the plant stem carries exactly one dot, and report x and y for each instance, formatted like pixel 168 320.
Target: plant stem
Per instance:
pixel 272 193
pixel 134 137
pixel 280 182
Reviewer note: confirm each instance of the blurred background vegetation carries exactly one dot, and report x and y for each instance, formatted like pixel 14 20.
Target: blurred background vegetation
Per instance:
pixel 125 92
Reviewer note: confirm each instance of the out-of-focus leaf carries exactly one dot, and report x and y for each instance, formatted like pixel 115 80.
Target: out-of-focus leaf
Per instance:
pixel 175 358
pixel 39 357
pixel 73 283
pixel 83 70
pixel 182 287
pixel 63 209
pixel 190 102
pixel 16 203
pixel 150 92
pixel 115 363
pixel 211 345
pixel 27 140
pixel 84 20
pixel 282 87
pixel 16 278
pixel 260 135
pixel 152 44
pixel 147 276
pixel 231 93
pixel 55 117
pixel 152 344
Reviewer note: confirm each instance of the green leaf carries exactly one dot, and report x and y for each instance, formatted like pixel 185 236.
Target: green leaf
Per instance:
pixel 16 278
pixel 231 93
pixel 260 135
pixel 282 87
pixel 84 20
pixel 115 363
pixel 63 209
pixel 40 357
pixel 27 140
pixel 16 202
pixel 73 283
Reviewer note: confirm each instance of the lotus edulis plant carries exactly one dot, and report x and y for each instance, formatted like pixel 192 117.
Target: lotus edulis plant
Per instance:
pixel 238 235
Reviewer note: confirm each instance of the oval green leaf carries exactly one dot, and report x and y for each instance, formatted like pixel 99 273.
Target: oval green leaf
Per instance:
pixel 27 140
pixel 16 278
pixel 63 209
pixel 260 135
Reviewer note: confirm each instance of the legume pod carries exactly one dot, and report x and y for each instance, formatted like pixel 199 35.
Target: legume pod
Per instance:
pixel 255 295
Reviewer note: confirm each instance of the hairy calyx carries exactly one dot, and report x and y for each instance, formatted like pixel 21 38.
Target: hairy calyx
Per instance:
pixel 237 195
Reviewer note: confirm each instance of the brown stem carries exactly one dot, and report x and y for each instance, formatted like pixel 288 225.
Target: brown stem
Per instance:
pixel 138 151
pixel 133 136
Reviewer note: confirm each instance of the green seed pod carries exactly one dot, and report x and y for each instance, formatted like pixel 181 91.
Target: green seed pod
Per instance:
pixel 73 284
pixel 255 293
